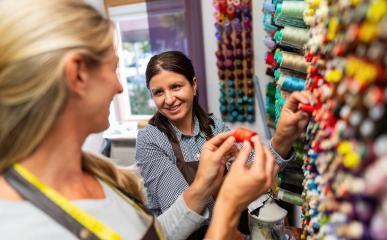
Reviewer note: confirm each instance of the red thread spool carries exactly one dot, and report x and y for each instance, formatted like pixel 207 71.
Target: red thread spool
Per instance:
pixel 242 134
pixel 306 108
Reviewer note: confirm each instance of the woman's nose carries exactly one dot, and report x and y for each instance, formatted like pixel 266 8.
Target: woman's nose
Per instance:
pixel 169 98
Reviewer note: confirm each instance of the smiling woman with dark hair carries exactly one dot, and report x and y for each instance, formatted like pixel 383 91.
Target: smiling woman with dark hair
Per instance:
pixel 57 79
pixel 168 150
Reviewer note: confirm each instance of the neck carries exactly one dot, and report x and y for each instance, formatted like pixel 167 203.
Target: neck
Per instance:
pixel 57 160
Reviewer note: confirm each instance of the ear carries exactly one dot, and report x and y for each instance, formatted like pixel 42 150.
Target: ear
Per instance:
pixel 195 86
pixel 76 74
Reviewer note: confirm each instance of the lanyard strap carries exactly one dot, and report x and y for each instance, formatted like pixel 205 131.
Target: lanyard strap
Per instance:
pixel 81 224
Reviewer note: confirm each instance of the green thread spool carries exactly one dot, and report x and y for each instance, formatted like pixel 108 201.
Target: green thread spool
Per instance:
pixel 290 197
pixel 292 36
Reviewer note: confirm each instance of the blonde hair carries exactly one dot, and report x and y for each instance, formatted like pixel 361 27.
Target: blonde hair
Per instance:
pixel 37 36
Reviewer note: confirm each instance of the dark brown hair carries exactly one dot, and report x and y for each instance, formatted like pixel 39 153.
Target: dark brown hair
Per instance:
pixel 177 62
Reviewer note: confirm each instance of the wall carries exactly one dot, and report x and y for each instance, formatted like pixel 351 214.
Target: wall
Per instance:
pixel 210 60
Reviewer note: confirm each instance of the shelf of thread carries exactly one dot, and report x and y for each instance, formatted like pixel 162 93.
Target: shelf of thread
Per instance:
pixel 346 164
pixel 235 60
pixel 286 37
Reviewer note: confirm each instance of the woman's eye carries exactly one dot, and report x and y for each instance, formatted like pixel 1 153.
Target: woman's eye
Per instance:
pixel 176 87
pixel 157 93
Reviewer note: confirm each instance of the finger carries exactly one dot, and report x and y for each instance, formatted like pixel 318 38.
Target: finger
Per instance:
pixel 297 117
pixel 225 148
pixel 270 163
pixel 220 138
pixel 294 99
pixel 243 155
pixel 259 158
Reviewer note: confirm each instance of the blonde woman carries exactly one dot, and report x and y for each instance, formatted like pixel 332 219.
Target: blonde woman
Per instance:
pixel 57 79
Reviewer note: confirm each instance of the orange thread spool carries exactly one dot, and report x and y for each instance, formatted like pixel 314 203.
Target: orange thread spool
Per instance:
pixel 242 134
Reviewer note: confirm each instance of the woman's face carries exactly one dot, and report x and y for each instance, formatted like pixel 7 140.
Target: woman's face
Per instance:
pixel 173 95
pixel 103 86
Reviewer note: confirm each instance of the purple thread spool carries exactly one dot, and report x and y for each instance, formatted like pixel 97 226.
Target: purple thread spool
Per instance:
pixel 229 64
pixel 221 75
pixel 219 27
pixel 249 74
pixel 249 63
pixel 237 25
pixel 229 46
pixel 269 42
pixel 220 65
pixel 218 36
pixel 247 24
pixel 219 55
pixel 239 54
pixel 227 26
pixel 231 76
pixel 238 13
pixel 239 74
pixel 249 52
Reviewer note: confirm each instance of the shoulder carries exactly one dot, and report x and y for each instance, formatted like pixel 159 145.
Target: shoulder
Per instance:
pixel 151 139
pixel 150 134
pixel 219 126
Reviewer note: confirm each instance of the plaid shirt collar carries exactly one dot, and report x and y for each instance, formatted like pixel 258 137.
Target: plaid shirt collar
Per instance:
pixel 196 130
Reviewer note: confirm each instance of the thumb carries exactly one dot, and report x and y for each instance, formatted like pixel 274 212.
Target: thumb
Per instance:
pixel 243 155
pixel 297 117
pixel 225 147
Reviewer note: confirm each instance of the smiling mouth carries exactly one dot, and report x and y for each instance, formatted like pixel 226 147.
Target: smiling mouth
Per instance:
pixel 174 108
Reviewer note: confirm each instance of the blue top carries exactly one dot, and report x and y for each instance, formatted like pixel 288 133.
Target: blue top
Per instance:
pixel 157 162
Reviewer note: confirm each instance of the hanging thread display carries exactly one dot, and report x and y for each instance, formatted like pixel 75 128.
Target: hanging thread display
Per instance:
pixel 233 24
pixel 345 165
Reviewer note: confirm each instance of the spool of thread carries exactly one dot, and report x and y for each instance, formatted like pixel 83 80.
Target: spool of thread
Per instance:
pixel 269 42
pixel 268 6
pixel 242 134
pixel 292 36
pixel 289 197
pixel 269 59
pixel 290 61
pixel 291 83
pixel 306 108
pixel 292 9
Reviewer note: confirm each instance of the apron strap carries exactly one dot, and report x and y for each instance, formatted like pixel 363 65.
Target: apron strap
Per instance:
pixel 37 198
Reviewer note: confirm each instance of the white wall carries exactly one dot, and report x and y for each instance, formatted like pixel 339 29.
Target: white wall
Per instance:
pixel 210 60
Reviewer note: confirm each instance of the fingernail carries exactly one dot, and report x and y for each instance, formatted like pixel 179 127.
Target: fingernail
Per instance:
pixel 254 138
pixel 231 140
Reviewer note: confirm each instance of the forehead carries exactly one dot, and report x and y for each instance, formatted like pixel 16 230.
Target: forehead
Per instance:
pixel 165 78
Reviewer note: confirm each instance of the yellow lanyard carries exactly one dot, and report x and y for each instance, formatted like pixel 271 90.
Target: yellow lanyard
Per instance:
pixel 92 224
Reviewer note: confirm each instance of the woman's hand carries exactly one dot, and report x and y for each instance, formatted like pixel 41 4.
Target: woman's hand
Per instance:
pixel 291 123
pixel 243 184
pixel 209 177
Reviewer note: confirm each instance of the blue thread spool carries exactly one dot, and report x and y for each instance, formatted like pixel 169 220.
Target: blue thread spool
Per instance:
pixel 235 114
pixel 240 93
pixel 221 84
pixel 230 118
pixel 232 107
pixel 231 101
pixel 240 108
pixel 291 83
pixel 250 118
pixel 250 100
pixel 231 92
pixel 250 109
pixel 223 109
pixel 241 118
pixel 230 83
pixel 223 100
pixel 240 101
